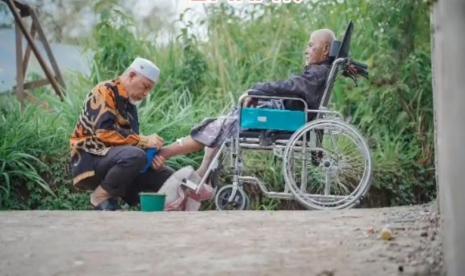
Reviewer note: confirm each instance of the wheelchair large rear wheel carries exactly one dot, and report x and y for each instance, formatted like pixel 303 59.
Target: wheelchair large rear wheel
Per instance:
pixel 327 165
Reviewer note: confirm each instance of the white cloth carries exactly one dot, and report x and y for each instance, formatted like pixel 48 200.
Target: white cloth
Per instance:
pixel 181 198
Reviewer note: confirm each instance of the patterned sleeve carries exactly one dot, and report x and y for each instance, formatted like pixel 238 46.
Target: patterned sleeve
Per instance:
pixel 101 107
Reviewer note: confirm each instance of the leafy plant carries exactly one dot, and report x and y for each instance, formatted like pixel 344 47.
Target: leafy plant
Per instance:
pixel 204 76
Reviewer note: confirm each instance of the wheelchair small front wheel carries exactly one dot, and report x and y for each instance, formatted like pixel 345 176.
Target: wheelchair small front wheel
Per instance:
pixel 231 197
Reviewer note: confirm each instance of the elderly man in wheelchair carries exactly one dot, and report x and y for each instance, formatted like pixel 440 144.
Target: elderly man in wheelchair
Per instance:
pixel 326 163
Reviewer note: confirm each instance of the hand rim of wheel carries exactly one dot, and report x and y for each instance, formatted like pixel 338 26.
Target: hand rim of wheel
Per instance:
pixel 361 188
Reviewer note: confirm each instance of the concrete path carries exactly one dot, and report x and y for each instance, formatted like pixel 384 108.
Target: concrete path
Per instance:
pixel 221 243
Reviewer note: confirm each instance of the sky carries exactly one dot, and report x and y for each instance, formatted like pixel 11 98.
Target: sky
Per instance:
pixel 72 58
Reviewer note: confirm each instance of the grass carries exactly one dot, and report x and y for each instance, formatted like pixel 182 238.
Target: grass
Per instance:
pixel 204 78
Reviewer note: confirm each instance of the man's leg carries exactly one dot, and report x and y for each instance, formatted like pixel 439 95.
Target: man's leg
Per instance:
pixel 184 146
pixel 118 170
pixel 206 161
pixel 188 145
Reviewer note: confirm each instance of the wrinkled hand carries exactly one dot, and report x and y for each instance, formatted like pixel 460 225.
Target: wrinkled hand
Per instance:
pixel 350 70
pixel 155 141
pixel 158 162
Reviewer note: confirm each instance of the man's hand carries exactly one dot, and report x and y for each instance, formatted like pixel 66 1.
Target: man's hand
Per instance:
pixel 158 162
pixel 155 141
pixel 352 69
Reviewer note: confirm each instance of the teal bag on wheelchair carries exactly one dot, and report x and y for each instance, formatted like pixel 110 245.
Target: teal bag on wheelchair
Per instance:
pixel 272 119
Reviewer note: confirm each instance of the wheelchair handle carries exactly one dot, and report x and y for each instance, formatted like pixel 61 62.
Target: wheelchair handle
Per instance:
pixel 359 64
pixel 362 69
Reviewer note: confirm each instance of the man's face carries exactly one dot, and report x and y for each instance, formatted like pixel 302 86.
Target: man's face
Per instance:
pixel 139 87
pixel 317 50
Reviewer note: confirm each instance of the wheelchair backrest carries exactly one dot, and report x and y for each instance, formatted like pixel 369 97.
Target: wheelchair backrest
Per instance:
pixel 338 50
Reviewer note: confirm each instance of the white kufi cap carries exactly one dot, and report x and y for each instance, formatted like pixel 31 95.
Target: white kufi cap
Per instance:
pixel 146 68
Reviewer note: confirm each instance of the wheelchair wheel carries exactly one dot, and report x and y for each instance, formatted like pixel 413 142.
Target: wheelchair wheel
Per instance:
pixel 231 197
pixel 327 165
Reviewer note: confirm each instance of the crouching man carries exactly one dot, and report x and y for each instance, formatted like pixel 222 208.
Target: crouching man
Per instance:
pixel 107 150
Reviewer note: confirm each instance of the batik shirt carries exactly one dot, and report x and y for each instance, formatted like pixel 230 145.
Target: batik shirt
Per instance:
pixel 108 119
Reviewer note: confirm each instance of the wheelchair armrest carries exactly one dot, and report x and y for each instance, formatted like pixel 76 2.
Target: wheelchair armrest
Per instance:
pixel 287 97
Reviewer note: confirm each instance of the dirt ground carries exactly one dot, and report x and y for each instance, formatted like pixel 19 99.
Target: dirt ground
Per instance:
pixel 221 243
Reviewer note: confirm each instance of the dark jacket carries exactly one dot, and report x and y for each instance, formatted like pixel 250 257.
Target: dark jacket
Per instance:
pixel 308 86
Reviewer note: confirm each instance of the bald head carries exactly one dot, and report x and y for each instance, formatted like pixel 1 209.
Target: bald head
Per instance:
pixel 319 46
pixel 326 35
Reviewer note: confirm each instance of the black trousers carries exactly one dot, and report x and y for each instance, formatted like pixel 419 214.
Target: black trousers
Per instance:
pixel 119 173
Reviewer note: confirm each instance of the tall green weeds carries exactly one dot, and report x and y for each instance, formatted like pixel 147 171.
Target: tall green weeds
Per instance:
pixel 203 77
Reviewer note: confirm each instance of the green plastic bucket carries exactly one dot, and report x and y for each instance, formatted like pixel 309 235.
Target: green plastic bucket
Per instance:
pixel 152 202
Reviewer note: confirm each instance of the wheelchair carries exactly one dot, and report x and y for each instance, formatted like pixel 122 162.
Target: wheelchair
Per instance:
pixel 326 163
